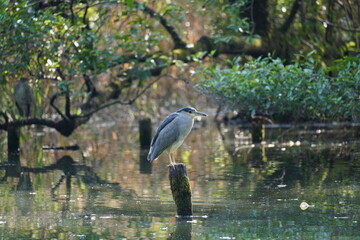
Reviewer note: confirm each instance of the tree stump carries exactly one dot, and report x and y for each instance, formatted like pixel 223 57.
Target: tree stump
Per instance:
pixel 180 189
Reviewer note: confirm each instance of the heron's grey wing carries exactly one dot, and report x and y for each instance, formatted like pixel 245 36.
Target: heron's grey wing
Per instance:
pixel 166 134
pixel 23 98
pixel 16 91
pixel 27 110
pixel 166 121
pixel 19 108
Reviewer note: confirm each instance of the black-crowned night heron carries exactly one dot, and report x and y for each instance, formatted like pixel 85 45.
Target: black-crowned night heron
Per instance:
pixel 23 97
pixel 172 132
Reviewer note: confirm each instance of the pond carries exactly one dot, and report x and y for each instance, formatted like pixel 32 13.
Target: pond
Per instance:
pixel 300 183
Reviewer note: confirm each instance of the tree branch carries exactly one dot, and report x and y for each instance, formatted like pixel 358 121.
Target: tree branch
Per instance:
pixel 67 105
pixel 170 29
pixel 290 19
pixel 38 5
pixel 5 116
pixel 29 121
pixel 105 105
pixel 338 26
pixel 52 99
pixel 110 103
pixel 85 21
pixel 90 87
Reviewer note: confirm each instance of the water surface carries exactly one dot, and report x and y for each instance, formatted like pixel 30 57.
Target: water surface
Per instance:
pixel 300 183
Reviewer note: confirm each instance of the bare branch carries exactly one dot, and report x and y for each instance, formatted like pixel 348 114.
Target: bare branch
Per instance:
pixel 110 103
pixel 145 88
pixel 52 100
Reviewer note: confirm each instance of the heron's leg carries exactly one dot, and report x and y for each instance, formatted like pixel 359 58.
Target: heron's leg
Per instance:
pixel 171 160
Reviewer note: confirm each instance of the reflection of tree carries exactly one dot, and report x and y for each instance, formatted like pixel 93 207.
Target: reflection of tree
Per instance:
pixel 268 193
pixel 281 165
pixel 228 138
pixel 250 163
pixel 306 166
pixel 66 164
pixel 24 194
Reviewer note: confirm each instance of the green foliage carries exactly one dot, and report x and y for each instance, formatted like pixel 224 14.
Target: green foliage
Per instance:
pixel 84 39
pixel 55 45
pixel 56 42
pixel 294 92
pixel 228 26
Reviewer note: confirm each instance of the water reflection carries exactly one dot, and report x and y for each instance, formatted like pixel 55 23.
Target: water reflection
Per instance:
pixel 145 135
pixel 240 190
pixel 24 194
pixel 66 164
pixel 145 165
pixel 183 229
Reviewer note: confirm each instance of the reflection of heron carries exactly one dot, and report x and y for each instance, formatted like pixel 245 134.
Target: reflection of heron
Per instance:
pixel 24 197
pixel 172 132
pixel 23 97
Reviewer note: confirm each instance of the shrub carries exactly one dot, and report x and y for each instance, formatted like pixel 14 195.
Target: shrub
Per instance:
pixel 301 91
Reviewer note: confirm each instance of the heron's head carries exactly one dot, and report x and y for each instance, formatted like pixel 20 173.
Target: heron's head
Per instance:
pixel 191 111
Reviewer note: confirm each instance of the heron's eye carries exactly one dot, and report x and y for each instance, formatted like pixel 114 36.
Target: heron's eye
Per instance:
pixel 190 111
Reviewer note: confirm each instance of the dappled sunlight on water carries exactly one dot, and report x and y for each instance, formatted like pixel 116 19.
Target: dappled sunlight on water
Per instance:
pixel 240 190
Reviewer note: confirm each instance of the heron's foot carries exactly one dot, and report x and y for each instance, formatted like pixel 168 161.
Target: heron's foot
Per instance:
pixel 172 164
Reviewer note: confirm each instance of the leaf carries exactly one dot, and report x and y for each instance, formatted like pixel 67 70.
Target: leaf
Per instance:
pixel 129 3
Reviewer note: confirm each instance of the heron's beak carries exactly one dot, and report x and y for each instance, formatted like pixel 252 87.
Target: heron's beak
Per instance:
pixel 199 113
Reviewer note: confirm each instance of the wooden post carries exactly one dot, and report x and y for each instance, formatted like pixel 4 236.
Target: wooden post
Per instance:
pixel 145 165
pixel 257 130
pixel 13 144
pixel 145 132
pixel 145 141
pixel 13 139
pixel 180 189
